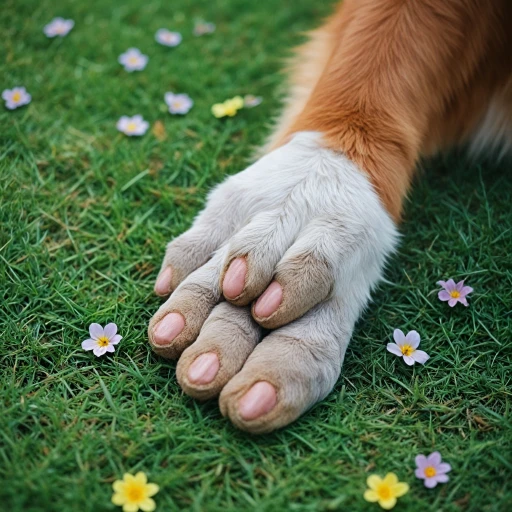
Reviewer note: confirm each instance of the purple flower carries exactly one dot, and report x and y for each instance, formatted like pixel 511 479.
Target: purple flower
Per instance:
pixel 16 97
pixel 454 293
pixel 102 340
pixel 133 60
pixel 58 27
pixel 431 469
pixel 178 103
pixel 132 126
pixel 168 38
pixel 406 346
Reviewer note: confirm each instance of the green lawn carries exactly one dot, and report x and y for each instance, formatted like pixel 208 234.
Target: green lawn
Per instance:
pixel 85 214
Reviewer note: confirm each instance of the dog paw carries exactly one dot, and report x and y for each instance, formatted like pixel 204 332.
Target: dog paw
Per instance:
pixel 294 244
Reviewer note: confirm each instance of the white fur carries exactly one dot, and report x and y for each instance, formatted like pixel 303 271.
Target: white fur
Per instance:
pixel 310 217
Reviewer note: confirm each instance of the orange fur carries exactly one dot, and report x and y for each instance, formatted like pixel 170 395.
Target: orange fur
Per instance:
pixel 388 80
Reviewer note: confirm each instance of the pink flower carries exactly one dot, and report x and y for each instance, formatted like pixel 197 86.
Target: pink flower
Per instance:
pixel 16 97
pixel 454 293
pixel 431 469
pixel 251 101
pixel 406 346
pixel 102 340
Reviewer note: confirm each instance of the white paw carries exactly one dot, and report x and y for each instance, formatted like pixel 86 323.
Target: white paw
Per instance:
pixel 301 235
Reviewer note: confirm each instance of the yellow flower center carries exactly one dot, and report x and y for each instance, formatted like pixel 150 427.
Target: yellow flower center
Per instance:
pixel 133 60
pixel 16 96
pixel 430 472
pixel 455 294
pixel 131 127
pixel 103 341
pixel 135 492
pixel 384 492
pixel 407 350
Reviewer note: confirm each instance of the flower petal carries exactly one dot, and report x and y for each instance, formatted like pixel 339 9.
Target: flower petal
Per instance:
pixel 398 336
pixel 434 459
pixel 444 467
pixel 371 496
pixel 431 482
pixel 463 301
pixel 420 473
pixel 390 479
pixel 110 348
pixel 89 344
pixel 421 461
pixel 118 486
pixel 131 507
pixel 373 481
pixel 152 489
pixel 394 349
pixel 110 330
pixel 413 338
pixel 409 360
pixel 118 499
pixel 450 285
pixel 400 489
pixel 444 295
pixel 452 302
pixel 141 478
pixel 466 290
pixel 441 283
pixel 147 505
pixel 96 331
pixel 420 357
pixel 99 351
pixel 387 504
pixel 442 479
pixel 459 285
pixel 116 339
pixel 128 478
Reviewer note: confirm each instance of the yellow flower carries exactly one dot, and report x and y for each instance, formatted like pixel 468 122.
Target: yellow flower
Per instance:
pixel 228 108
pixel 134 492
pixel 385 490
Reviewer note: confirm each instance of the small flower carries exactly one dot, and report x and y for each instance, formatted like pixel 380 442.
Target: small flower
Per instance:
pixel 178 103
pixel 406 346
pixel 203 27
pixel 454 293
pixel 251 101
pixel 16 97
pixel 431 469
pixel 102 340
pixel 385 490
pixel 228 108
pixel 133 60
pixel 168 38
pixel 134 493
pixel 132 126
pixel 58 27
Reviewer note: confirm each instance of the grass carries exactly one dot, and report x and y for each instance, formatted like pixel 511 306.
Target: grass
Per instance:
pixel 84 216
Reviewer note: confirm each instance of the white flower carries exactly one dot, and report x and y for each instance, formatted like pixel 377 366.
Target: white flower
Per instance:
pixel 132 126
pixel 251 101
pixel 58 27
pixel 178 103
pixel 16 97
pixel 133 59
pixel 406 346
pixel 102 340
pixel 168 38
